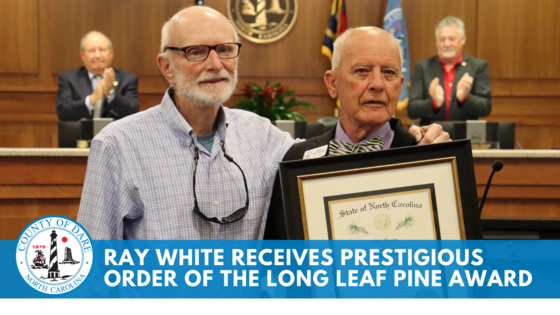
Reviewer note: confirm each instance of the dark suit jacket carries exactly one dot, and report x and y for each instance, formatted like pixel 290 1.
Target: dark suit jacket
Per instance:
pixel 479 100
pixel 74 86
pixel 275 227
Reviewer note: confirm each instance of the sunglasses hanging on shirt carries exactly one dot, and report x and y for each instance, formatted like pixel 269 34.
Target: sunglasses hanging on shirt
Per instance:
pixel 237 215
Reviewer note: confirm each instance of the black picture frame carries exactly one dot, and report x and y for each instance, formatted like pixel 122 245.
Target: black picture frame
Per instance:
pixel 460 151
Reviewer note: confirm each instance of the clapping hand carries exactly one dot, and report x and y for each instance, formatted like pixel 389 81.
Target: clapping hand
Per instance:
pixel 107 82
pixel 436 92
pixel 464 87
pixel 104 87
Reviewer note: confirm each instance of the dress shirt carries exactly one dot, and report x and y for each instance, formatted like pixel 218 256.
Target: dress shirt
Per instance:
pixel 384 132
pixel 94 82
pixel 448 79
pixel 140 173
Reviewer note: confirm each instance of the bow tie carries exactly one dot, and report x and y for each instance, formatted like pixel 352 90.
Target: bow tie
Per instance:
pixel 337 147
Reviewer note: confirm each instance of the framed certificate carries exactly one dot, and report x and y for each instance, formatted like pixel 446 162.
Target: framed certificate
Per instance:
pixel 413 193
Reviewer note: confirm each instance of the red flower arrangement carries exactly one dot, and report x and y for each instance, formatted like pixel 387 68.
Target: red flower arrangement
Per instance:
pixel 269 101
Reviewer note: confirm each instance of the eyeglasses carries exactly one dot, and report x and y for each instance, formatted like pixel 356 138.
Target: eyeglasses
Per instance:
pixel 201 52
pixel 237 215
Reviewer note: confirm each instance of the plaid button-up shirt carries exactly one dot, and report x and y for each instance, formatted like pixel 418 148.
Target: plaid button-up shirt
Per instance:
pixel 139 180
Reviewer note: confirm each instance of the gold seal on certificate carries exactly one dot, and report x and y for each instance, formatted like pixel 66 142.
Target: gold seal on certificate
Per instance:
pixel 382 222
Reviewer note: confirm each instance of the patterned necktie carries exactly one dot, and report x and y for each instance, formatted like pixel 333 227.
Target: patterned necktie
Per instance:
pixel 99 104
pixel 337 147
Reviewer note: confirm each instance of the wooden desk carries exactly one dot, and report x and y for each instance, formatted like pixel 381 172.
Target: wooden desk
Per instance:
pixel 527 187
pixel 40 182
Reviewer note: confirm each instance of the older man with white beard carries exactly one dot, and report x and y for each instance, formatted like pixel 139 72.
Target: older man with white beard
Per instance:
pixel 188 168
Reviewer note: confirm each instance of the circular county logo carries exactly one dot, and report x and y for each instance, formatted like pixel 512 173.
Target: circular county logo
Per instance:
pixel 54 254
pixel 262 21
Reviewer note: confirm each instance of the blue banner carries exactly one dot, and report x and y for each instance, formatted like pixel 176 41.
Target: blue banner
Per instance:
pixel 393 22
pixel 291 269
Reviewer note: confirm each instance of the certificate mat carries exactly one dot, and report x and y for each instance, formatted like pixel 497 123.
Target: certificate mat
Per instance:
pixel 396 193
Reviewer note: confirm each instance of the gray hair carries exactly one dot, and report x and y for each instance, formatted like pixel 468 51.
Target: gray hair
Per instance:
pixel 91 32
pixel 166 28
pixel 451 21
pixel 341 40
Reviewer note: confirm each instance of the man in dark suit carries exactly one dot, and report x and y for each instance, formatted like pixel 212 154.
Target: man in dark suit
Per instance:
pixel 366 77
pixel 451 85
pixel 96 89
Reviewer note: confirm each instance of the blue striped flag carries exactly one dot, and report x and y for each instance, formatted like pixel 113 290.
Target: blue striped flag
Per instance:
pixel 337 25
pixel 394 24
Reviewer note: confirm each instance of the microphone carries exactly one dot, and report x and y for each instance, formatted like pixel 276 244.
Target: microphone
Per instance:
pixel 496 167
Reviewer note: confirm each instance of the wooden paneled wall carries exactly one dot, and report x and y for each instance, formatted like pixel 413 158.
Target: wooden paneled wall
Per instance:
pixel 19 49
pixel 518 38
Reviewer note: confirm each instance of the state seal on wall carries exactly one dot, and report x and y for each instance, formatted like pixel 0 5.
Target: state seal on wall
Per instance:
pixel 54 254
pixel 262 21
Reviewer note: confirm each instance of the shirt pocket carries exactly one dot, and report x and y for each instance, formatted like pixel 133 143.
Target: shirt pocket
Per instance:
pixel 259 175
pixel 259 200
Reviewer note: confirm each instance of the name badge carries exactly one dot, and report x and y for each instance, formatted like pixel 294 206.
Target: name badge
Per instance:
pixel 315 153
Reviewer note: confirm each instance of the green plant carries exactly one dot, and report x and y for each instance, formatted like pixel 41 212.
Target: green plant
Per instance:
pixel 269 101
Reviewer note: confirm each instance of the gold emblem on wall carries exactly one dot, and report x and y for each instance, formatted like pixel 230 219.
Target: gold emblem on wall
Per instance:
pixel 262 21
pixel 83 144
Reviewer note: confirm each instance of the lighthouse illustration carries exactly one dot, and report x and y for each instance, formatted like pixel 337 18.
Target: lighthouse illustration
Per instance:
pixel 53 264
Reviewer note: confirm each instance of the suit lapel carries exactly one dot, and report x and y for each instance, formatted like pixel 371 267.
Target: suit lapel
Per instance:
pixel 438 70
pixel 325 139
pixel 402 137
pixel 460 70
pixel 84 82
pixel 118 79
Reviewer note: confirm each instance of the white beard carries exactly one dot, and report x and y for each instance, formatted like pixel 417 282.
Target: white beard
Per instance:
pixel 448 54
pixel 188 88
